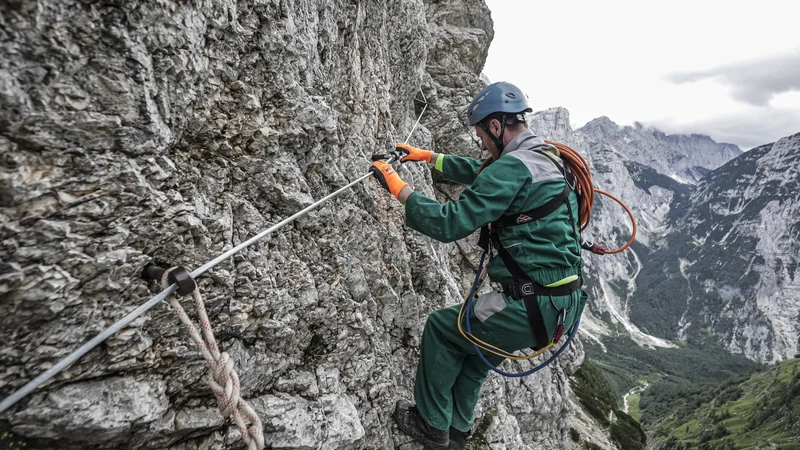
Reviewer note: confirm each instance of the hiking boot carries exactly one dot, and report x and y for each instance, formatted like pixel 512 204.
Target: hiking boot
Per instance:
pixel 458 439
pixel 411 423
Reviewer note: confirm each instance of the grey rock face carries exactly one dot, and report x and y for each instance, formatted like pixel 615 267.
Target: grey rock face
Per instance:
pixel 172 131
pixel 98 411
pixel 293 422
pixel 733 247
pixel 686 158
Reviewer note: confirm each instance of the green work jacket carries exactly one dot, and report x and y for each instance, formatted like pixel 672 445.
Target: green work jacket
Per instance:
pixel 548 250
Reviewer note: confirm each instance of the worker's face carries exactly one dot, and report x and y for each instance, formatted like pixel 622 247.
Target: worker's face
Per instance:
pixel 487 143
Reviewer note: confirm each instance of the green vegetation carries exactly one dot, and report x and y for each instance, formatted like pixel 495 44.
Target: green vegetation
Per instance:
pixel 761 410
pixel 660 297
pixel 699 397
pixel 626 365
pixel 633 407
pixel 598 399
pixel 10 441
pixel 645 177
pixel 478 441
pixel 672 375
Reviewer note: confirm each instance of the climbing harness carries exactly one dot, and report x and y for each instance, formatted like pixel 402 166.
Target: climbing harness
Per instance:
pixel 478 344
pixel 577 178
pixel 224 379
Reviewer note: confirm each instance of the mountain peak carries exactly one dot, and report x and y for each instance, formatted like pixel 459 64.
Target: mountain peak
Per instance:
pixel 552 123
pixel 601 121
pixel 601 126
pixel 558 112
pixel 684 157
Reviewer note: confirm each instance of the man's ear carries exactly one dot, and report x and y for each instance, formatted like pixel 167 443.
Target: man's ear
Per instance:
pixel 495 126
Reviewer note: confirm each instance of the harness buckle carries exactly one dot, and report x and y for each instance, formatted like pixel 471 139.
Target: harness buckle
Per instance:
pixel 519 289
pixel 526 289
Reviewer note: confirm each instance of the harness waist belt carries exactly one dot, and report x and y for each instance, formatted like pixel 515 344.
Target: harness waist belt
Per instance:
pixel 529 292
pixel 523 289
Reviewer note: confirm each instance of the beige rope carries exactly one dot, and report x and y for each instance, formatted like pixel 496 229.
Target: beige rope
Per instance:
pixel 223 379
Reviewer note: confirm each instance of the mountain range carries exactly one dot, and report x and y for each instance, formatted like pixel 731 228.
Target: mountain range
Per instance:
pixel 711 278
pixel 717 241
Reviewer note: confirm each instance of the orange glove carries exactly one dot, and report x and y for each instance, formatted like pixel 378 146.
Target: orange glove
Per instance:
pixel 413 153
pixel 387 177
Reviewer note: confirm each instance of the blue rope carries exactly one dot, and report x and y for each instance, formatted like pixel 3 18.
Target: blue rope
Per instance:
pixel 477 349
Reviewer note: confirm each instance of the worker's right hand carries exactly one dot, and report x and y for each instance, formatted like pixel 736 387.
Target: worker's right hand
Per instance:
pixel 388 178
pixel 413 154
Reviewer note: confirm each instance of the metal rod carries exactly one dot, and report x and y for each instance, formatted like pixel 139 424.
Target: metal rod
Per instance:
pixel 214 262
pixel 417 122
pixel 424 100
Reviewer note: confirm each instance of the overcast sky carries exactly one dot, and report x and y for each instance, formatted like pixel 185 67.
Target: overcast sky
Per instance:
pixel 728 69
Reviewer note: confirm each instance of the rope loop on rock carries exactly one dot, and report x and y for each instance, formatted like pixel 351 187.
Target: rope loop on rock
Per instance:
pixel 223 379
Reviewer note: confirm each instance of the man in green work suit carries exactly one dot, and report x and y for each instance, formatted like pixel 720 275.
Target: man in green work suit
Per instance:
pixel 520 179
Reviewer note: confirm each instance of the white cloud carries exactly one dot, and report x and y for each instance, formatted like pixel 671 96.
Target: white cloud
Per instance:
pixel 754 81
pixel 742 129
pixel 615 58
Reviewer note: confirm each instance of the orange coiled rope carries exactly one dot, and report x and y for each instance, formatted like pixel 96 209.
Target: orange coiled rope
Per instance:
pixel 583 181
pixel 584 186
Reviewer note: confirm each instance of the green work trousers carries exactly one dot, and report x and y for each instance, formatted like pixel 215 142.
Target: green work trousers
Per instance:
pixel 450 373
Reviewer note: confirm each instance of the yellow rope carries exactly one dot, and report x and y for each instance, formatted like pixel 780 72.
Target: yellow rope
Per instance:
pixel 488 347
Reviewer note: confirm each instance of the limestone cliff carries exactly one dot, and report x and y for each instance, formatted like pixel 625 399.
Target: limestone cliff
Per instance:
pixel 165 130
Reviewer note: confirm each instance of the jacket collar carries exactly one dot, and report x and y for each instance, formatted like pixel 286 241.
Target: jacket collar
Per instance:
pixel 526 140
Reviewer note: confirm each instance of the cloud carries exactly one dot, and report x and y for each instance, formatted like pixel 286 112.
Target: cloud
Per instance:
pixel 746 129
pixel 755 81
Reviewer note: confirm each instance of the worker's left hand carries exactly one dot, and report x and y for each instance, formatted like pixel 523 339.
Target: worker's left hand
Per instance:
pixel 410 153
pixel 388 178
